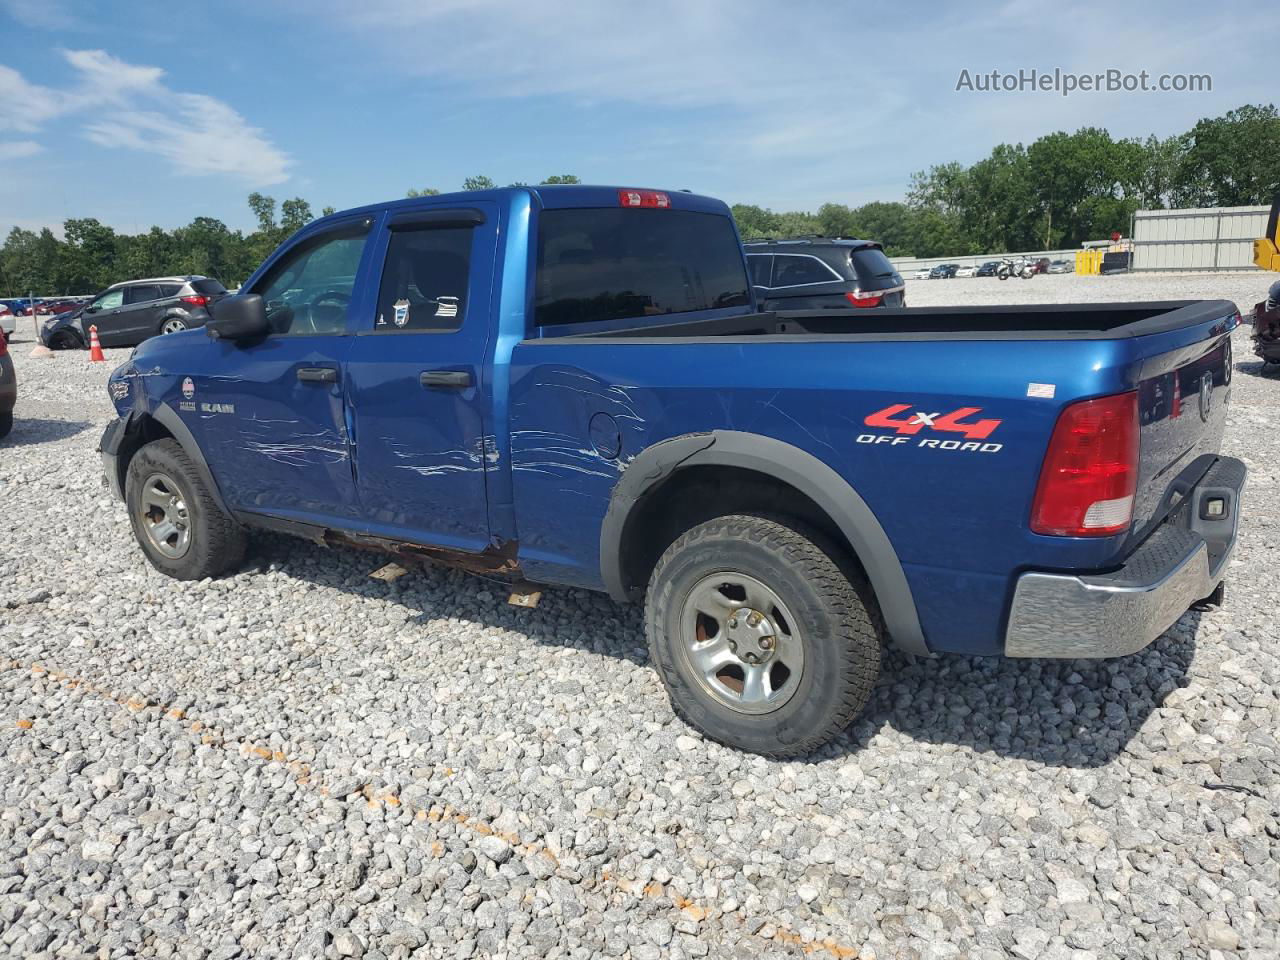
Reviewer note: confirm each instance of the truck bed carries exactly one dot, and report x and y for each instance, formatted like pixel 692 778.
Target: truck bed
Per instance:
pixel 1085 321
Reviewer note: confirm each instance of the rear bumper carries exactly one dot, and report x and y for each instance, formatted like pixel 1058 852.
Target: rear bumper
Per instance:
pixel 1118 613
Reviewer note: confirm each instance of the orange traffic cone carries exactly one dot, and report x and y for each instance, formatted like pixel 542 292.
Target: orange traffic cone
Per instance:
pixel 95 347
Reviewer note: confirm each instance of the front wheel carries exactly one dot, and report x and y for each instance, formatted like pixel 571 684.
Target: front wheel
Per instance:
pixel 763 641
pixel 176 520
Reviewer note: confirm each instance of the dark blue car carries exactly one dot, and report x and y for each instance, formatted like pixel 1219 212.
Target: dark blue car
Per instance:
pixel 574 385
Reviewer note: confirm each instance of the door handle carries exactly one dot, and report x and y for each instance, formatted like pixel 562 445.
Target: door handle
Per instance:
pixel 317 375
pixel 456 379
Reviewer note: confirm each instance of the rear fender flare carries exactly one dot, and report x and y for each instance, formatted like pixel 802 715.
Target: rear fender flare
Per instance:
pixel 792 466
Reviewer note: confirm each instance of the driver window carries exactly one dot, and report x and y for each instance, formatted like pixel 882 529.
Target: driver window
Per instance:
pixel 110 300
pixel 308 291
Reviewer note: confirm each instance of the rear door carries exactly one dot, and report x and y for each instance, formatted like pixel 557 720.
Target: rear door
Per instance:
pixel 137 319
pixel 415 379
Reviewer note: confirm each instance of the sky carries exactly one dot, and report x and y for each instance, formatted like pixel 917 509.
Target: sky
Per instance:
pixel 141 112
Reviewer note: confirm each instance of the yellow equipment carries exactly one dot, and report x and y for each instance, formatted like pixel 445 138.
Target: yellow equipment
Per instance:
pixel 1266 250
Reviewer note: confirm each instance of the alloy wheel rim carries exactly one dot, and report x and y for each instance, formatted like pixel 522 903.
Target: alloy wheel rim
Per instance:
pixel 164 517
pixel 740 643
pixel 173 326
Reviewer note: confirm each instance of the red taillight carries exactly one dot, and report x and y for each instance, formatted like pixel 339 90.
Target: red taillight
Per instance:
pixel 860 299
pixel 195 301
pixel 4 344
pixel 643 198
pixel 1090 471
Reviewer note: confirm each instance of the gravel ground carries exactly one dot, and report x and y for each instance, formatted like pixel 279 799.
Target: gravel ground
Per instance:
pixel 299 761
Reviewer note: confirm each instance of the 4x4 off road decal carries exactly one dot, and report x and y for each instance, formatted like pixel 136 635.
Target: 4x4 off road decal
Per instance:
pixel 907 425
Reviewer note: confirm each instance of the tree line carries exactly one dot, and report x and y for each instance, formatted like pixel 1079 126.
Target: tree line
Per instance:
pixel 1054 193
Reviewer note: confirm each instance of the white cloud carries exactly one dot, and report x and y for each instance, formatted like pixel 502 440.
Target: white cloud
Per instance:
pixel 133 109
pixel 15 149
pixel 42 14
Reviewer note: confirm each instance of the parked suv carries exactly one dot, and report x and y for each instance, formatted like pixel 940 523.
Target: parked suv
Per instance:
pixel 821 272
pixel 128 313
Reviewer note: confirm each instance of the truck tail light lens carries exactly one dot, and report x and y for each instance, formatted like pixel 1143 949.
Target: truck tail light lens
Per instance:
pixel 643 198
pixel 860 299
pixel 195 301
pixel 1090 472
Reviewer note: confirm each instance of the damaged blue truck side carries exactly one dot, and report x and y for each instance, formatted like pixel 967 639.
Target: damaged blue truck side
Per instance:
pixel 572 385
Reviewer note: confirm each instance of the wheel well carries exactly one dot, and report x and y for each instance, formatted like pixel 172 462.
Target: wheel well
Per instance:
pixel 142 431
pixel 695 494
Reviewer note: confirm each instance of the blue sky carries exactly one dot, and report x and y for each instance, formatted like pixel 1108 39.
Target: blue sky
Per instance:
pixel 155 112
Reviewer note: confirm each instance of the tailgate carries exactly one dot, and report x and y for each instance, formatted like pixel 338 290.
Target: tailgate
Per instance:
pixel 1182 411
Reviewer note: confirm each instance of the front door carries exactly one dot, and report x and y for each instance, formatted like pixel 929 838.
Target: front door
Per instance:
pixel 415 379
pixel 271 414
pixel 104 313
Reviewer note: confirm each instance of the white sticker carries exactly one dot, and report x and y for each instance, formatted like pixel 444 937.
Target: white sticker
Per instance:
pixel 447 307
pixel 188 388
pixel 402 312
pixel 1045 390
pixel 382 321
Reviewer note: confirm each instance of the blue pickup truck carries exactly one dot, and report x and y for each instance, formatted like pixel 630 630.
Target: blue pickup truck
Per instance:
pixel 573 385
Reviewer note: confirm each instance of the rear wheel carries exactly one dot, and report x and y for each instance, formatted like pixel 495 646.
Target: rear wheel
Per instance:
pixel 173 325
pixel 763 640
pixel 175 519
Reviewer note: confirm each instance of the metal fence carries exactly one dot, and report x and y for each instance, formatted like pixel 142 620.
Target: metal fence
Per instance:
pixel 1204 238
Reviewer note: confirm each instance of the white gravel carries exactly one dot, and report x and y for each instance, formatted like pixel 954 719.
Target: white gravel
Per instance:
pixel 299 761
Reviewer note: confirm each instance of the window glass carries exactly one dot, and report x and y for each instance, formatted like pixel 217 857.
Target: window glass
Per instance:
pixel 169 290
pixel 110 300
pixel 759 265
pixel 871 265
pixel 425 280
pixel 308 290
pixel 789 271
pixel 141 294
pixel 614 263
pixel 210 288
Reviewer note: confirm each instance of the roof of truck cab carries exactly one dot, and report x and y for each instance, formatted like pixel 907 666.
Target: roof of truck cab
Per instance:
pixel 549 196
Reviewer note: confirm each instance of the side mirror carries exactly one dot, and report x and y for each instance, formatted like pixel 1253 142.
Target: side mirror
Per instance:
pixel 242 317
pixel 92 308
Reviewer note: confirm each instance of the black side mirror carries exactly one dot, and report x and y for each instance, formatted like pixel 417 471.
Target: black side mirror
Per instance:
pixel 92 308
pixel 242 317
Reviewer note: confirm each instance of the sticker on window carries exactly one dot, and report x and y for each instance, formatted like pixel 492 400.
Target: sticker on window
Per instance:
pixel 401 312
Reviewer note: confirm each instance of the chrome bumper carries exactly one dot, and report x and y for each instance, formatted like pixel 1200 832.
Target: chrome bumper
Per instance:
pixel 1114 614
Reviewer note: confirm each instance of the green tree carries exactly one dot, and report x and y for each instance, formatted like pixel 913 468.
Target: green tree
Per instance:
pixel 264 208
pixel 480 182
pixel 327 211
pixel 1232 160
pixel 424 192
pixel 562 178
pixel 294 215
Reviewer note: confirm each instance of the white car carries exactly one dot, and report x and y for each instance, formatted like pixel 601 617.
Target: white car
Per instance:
pixel 921 274
pixel 8 322
pixel 969 270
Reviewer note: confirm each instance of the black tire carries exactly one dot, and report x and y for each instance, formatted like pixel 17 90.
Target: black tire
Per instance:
pixel 216 543
pixel 171 321
pixel 836 618
pixel 65 340
pixel 6 423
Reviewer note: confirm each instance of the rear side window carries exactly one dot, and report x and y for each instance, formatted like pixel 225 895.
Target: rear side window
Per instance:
pixel 792 271
pixel 616 263
pixel 210 288
pixel 759 266
pixel 870 264
pixel 141 294
pixel 169 290
pixel 425 280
